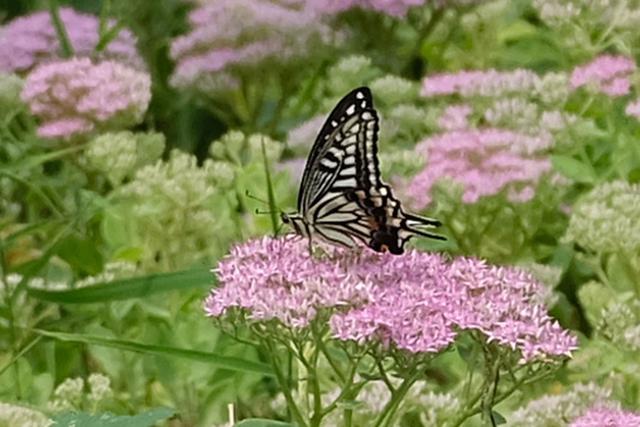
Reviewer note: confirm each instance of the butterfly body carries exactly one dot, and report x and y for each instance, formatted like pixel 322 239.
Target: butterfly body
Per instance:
pixel 342 199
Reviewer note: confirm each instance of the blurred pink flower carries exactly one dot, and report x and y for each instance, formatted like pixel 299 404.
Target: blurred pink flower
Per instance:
pixel 607 417
pixel 226 33
pixel 31 40
pixel 633 109
pixel 304 135
pixel 396 8
pixel 416 302
pixel 484 161
pixel 75 96
pixel 455 117
pixel 483 83
pixel 609 74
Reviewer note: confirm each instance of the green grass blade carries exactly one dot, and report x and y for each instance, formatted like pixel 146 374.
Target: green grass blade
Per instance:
pixel 270 194
pixel 136 287
pixel 224 362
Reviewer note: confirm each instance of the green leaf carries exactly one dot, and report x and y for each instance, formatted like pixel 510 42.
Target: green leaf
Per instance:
pixel 622 276
pixel 498 418
pixel 261 422
pixel 573 169
pixel 145 419
pixel 81 254
pixel 224 362
pixel 517 30
pixel 136 287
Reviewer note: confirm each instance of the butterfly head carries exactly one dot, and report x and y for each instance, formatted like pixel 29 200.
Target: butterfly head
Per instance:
pixel 297 222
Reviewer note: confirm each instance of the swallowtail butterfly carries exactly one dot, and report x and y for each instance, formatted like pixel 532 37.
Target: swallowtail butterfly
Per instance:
pixel 342 199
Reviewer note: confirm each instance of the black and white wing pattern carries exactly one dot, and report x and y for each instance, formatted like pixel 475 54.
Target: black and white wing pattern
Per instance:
pixel 342 198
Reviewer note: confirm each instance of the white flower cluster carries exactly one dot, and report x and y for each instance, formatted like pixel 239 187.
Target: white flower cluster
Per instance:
pixel 180 210
pixel 118 155
pixel 620 323
pixel 70 394
pixel 550 410
pixel 14 415
pixel 606 219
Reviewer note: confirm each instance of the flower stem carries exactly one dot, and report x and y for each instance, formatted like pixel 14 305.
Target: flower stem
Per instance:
pixel 284 386
pixel 386 416
pixel 63 37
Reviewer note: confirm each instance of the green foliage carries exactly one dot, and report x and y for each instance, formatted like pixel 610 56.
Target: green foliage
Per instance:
pixel 145 419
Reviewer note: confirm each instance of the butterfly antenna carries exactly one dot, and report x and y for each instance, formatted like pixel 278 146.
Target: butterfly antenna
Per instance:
pixel 261 212
pixel 256 198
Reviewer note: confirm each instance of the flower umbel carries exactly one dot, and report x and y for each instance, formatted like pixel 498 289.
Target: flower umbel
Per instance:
pixel 30 40
pixel 607 417
pixel 76 97
pixel 418 302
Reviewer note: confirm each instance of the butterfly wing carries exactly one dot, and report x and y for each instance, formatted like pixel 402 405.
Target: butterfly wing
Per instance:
pixel 342 195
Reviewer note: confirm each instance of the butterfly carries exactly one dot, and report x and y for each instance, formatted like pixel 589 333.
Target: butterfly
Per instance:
pixel 342 199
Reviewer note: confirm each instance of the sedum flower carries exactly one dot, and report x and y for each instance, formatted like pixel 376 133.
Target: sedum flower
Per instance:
pixel 397 8
pixel 418 302
pixel 455 117
pixel 605 219
pixel 619 322
pixel 551 410
pixel 599 416
pixel 31 40
pixel 14 415
pixel 76 97
pixel 181 211
pixel 491 83
pixel 349 72
pixel 393 90
pixel 302 137
pixel 633 109
pixel 553 88
pixel 484 162
pixel 10 102
pixel 68 395
pixel 226 34
pixel 118 155
pixel 99 388
pixel 608 74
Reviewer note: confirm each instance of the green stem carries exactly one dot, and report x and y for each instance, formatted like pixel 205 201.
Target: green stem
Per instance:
pixel 13 337
pixel 490 389
pixel 386 416
pixel 284 386
pixel 273 213
pixel 63 37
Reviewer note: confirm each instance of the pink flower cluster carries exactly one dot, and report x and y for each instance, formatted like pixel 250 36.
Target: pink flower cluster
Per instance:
pixel 484 161
pixel 226 33
pixel 633 109
pixel 417 302
pixel 483 83
pixel 76 97
pixel 608 74
pixel 607 417
pixel 396 8
pixel 31 40
pixel 455 117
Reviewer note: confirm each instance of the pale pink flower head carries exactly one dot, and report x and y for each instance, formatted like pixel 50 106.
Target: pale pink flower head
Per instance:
pixel 633 109
pixel 602 416
pixel 491 83
pixel 418 302
pixel 397 8
pixel 31 40
pixel 243 33
pixel 484 162
pixel 455 117
pixel 608 74
pixel 76 97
